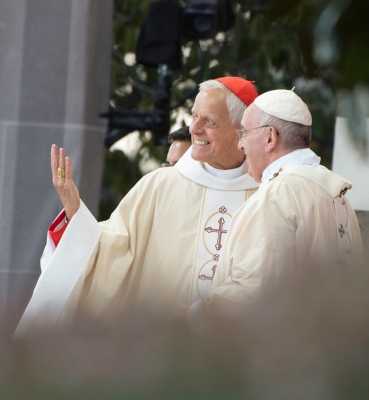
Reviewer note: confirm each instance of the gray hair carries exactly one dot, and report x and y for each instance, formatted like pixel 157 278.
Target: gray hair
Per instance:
pixel 235 106
pixel 294 136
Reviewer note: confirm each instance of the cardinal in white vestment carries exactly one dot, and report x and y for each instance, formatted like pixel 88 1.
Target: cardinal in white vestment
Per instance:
pixel 298 219
pixel 162 244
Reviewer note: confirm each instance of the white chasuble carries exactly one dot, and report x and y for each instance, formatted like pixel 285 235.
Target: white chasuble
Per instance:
pixel 344 229
pixel 218 206
pixel 159 249
pixel 215 218
pixel 299 220
pixel 336 187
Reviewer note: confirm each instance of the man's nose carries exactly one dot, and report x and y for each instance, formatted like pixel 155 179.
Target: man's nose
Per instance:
pixel 195 127
pixel 240 145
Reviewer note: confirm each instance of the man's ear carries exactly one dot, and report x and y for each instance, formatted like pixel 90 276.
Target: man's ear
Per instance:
pixel 272 139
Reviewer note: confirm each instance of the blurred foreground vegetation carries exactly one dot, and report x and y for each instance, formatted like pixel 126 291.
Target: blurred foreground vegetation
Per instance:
pixel 309 340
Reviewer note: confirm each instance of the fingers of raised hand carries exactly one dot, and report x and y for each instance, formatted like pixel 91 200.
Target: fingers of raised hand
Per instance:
pixel 54 160
pixel 61 168
pixel 68 168
pixel 61 164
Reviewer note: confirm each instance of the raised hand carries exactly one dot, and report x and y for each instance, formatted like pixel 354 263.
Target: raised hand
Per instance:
pixel 61 168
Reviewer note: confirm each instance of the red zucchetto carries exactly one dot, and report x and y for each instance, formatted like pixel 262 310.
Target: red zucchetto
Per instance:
pixel 242 88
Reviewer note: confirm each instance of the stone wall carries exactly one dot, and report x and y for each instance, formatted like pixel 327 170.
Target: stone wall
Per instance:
pixel 54 83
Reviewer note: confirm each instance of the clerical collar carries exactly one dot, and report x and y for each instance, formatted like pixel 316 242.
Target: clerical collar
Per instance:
pixel 195 171
pixel 299 157
pixel 226 174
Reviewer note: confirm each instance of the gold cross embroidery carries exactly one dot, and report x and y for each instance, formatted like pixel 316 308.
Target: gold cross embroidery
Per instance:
pixel 203 277
pixel 220 231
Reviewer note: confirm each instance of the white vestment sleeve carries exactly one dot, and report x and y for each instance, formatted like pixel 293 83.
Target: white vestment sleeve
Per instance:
pixel 48 253
pixel 61 271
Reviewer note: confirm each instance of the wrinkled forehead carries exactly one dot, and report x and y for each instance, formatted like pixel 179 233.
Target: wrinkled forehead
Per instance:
pixel 210 99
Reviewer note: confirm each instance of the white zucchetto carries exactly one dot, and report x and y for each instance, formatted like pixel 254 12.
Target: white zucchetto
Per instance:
pixel 284 104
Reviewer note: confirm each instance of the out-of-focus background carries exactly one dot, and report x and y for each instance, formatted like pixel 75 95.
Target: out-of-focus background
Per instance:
pixel 65 63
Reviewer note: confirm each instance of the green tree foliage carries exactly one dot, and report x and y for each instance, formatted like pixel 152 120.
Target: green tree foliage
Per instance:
pixel 320 47
pixel 334 38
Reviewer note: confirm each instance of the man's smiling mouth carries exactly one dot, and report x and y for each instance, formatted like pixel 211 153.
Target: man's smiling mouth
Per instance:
pixel 201 142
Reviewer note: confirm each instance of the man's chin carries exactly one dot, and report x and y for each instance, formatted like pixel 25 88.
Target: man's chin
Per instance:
pixel 257 179
pixel 198 154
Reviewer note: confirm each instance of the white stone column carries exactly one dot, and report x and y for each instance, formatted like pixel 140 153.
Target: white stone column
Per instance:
pixel 54 83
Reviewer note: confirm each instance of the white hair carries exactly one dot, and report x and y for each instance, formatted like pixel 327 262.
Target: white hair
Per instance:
pixel 293 135
pixel 235 106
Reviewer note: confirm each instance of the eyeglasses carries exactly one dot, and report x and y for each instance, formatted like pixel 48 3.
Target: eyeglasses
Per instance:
pixel 242 132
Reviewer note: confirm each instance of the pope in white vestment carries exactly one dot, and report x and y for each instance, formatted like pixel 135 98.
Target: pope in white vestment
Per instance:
pixel 293 223
pixel 161 246
pixel 298 220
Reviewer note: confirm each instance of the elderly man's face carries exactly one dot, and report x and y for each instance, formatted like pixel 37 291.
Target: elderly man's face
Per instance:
pixel 176 151
pixel 253 144
pixel 213 136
